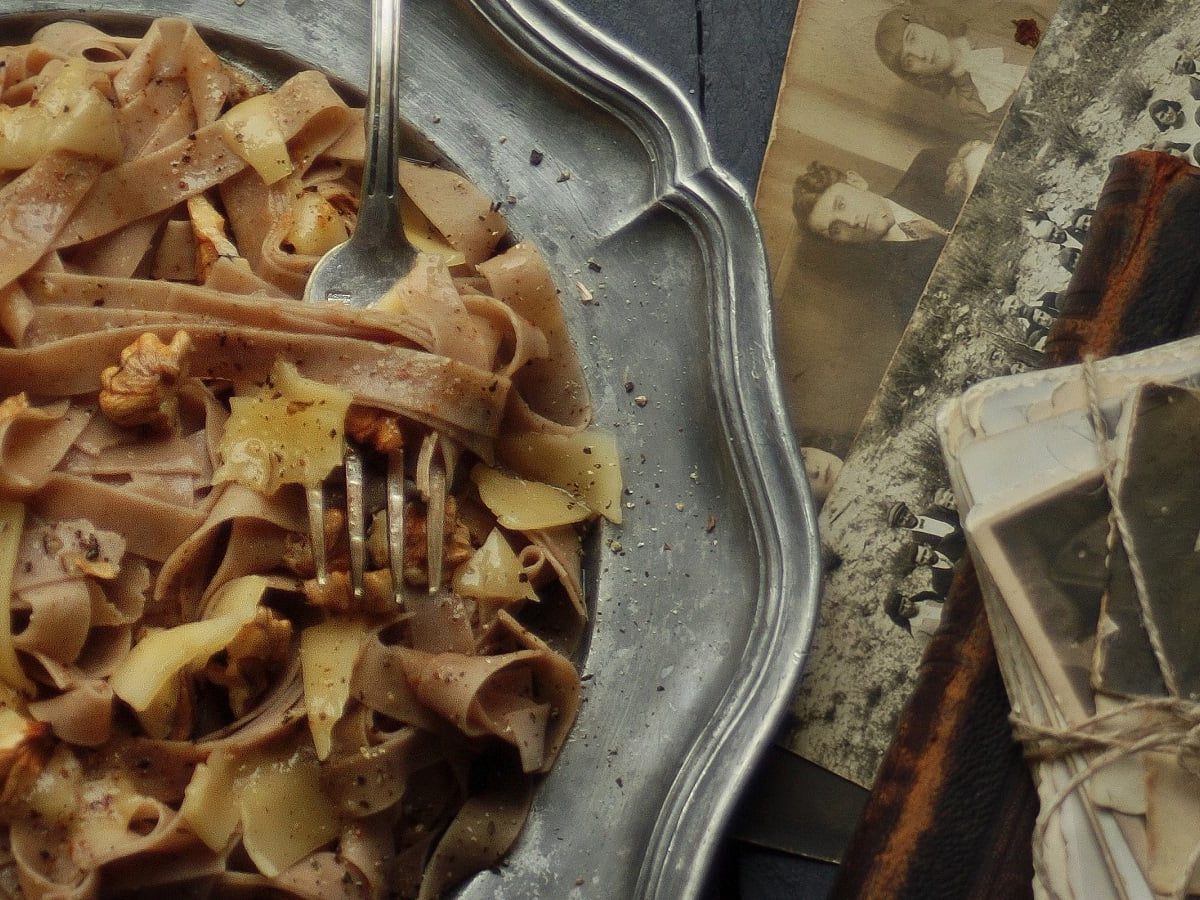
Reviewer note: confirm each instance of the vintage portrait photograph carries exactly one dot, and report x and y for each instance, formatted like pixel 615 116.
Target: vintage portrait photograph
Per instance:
pixel 884 120
pixel 1048 555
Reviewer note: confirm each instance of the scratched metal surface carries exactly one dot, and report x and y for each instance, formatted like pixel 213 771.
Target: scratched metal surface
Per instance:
pixel 703 615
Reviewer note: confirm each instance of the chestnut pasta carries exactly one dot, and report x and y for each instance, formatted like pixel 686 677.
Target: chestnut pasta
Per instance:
pixel 183 705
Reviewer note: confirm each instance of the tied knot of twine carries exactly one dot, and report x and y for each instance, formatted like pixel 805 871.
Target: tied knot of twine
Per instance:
pixel 1159 724
pixel 1189 751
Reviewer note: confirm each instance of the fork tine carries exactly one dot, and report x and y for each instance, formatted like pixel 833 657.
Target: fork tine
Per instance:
pixel 316 532
pixel 435 522
pixel 356 520
pixel 395 521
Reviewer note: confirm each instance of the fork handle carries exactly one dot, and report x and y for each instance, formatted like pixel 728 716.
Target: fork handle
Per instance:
pixel 379 201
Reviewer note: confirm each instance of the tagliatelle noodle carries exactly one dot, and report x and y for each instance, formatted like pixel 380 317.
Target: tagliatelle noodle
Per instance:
pixel 552 392
pixel 33 441
pixel 188 707
pixel 97 297
pixel 465 403
pixel 35 207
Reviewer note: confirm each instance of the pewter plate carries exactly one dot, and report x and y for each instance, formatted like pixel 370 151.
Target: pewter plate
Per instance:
pixel 705 600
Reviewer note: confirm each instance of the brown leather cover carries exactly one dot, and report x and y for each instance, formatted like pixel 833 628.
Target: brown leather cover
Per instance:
pixel 1138 276
pixel 951 814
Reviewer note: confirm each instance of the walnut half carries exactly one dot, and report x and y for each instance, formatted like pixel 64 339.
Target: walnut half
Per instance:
pixel 144 388
pixel 457 543
pixel 375 428
pixel 260 647
pixel 13 406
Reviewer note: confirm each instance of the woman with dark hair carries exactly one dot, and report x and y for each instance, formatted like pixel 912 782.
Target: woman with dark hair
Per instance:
pixel 968 53
pixel 1167 114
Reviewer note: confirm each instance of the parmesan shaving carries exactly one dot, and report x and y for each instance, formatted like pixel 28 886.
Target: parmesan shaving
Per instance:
pixel 585 463
pixel 158 717
pixel 209 805
pixel 285 815
pixel 161 655
pixel 290 432
pixel 55 794
pixel 328 652
pixel 494 573
pixel 526 505
pixel 69 114
pixel 316 225
pixel 239 598
pixel 251 130
pixel 145 677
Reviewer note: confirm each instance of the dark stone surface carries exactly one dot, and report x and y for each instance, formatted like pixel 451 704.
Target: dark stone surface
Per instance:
pixel 726 55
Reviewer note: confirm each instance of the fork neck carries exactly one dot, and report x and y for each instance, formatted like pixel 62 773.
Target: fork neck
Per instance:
pixel 379 199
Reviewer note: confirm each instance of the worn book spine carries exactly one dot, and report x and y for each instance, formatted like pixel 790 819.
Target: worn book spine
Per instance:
pixel 953 792
pixel 952 811
pixel 1136 282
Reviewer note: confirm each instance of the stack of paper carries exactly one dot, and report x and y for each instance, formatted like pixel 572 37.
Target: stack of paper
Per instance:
pixel 1028 462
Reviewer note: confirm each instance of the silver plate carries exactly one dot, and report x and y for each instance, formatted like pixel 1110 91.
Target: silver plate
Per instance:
pixel 704 610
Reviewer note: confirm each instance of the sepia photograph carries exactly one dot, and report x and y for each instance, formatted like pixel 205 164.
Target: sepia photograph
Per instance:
pixel 1048 556
pixel 884 120
pixel 991 300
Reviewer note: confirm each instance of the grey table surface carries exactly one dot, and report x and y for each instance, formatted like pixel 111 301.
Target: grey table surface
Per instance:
pixel 727 56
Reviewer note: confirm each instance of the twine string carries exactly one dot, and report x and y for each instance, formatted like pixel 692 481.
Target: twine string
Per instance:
pixel 1109 462
pixel 1143 725
pixel 1153 724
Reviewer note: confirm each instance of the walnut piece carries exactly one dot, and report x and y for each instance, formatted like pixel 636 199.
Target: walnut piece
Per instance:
pixel 336 595
pixel 144 388
pixel 297 550
pixel 374 428
pixel 208 231
pixel 11 407
pixel 261 645
pixel 457 537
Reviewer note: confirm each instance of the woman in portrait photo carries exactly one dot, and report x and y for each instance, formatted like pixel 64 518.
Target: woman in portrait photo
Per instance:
pixel 968 53
pixel 870 251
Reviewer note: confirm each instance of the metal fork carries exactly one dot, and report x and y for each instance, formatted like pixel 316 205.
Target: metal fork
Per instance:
pixel 359 272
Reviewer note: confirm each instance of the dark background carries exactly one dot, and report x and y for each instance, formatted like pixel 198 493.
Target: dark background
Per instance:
pixel 726 56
